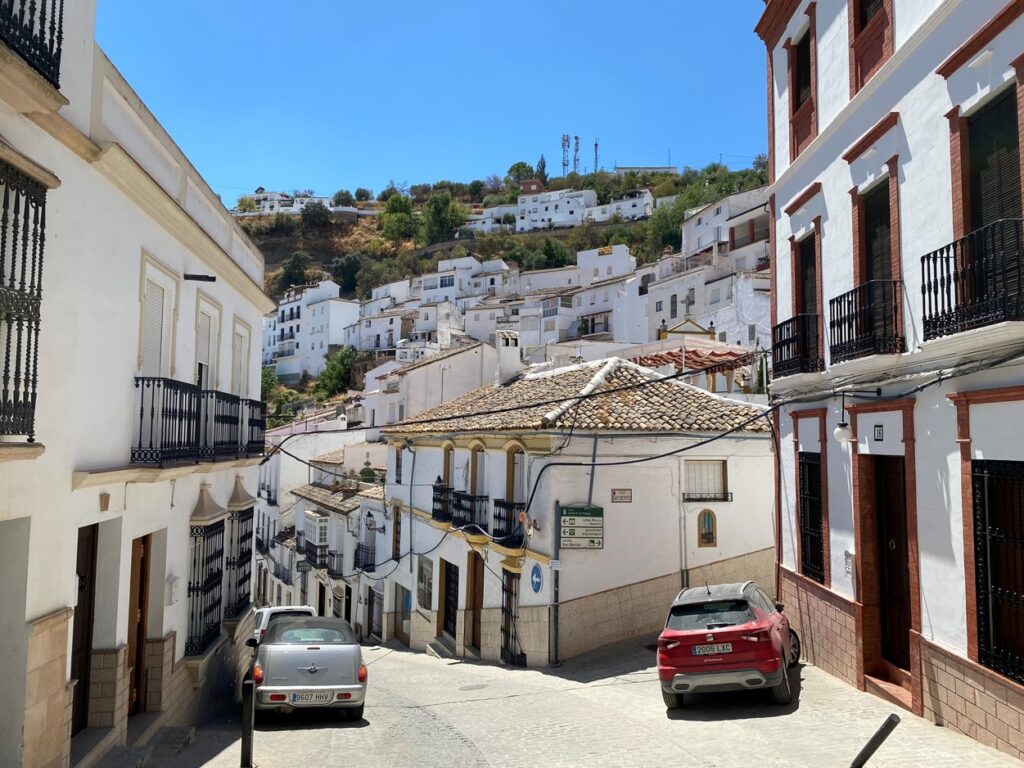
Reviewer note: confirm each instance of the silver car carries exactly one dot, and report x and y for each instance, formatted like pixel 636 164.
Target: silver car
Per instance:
pixel 310 662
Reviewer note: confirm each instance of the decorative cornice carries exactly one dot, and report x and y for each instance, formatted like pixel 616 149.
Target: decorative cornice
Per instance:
pixel 982 38
pixel 865 142
pixel 772 24
pixel 800 200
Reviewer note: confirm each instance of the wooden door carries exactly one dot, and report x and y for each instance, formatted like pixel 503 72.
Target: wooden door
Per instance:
pixel 451 599
pixel 893 561
pixel 807 293
pixel 474 598
pixel 138 604
pixel 81 636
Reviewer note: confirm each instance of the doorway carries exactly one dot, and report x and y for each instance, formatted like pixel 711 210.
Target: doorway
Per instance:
pixel 893 560
pixel 81 634
pixel 138 607
pixel 348 603
pixel 474 599
pixel 321 599
pixel 403 614
pixel 450 604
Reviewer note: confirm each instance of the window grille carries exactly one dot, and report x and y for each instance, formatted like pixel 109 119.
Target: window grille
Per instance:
pixel 707 530
pixel 239 562
pixel 204 587
pixel 812 541
pixel 424 583
pixel 511 651
pixel 706 481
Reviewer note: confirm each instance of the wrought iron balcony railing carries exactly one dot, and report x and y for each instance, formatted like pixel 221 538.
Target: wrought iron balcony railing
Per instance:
pixel 335 565
pixel 261 544
pixel 796 347
pixel 283 573
pixel 974 281
pixel 867 321
pixel 366 557
pixel 34 29
pixel 316 554
pixel 442 506
pixel 469 511
pixel 179 422
pixel 507 528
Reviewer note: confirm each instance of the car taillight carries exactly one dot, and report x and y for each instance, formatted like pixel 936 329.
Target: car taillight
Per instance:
pixel 761 636
pixel 667 645
pixel 257 674
pixel 362 673
pixel 263 633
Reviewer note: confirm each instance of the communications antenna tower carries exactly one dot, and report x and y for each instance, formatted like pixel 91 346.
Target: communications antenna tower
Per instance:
pixel 596 166
pixel 576 155
pixel 565 154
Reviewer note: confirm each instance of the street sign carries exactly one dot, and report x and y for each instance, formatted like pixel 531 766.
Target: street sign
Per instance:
pixel 582 528
pixel 622 495
pixel 536 578
pixel 556 565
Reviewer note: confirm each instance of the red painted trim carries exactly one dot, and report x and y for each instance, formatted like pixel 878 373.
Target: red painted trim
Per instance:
pixel 865 142
pixel 857 214
pixel 773 261
pixel 777 439
pixel 979 41
pixel 821 414
pixel 958 169
pixel 797 202
pixel 880 26
pixel 773 21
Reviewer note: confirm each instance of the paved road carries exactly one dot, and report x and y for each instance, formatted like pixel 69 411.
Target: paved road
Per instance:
pixel 600 710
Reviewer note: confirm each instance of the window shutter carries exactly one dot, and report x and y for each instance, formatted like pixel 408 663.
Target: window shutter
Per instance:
pixel 995 162
pixel 878 233
pixel 203 345
pixel 153 330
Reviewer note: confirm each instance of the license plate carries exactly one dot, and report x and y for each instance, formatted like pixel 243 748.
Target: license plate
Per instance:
pixel 713 649
pixel 311 698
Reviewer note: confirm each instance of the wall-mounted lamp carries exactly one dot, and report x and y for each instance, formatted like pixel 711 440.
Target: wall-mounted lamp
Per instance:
pixel 842 432
pixel 370 524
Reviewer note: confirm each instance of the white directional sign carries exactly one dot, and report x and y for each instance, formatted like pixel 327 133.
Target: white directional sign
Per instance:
pixel 582 528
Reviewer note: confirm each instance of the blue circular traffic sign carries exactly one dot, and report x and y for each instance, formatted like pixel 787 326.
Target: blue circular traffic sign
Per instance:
pixel 536 578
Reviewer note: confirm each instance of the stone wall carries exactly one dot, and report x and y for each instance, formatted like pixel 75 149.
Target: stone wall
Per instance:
pixel 825 622
pixel 616 614
pixel 973 700
pixel 755 566
pixel 48 695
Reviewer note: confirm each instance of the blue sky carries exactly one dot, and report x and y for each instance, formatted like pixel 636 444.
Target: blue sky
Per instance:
pixel 331 94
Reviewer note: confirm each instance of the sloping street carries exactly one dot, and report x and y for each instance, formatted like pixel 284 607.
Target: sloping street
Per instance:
pixel 601 709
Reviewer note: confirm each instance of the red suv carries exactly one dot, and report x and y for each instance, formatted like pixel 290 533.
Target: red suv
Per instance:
pixel 725 637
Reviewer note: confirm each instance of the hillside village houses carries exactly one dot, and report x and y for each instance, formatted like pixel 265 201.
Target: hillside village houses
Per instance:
pixel 896 310
pixel 130 428
pixel 267 203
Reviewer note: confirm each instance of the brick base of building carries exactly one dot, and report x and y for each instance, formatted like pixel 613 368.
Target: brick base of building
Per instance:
pixel 973 700
pixel 48 696
pixel 825 622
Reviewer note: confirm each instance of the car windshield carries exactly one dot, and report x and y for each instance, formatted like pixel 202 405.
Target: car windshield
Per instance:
pixel 709 615
pixel 284 615
pixel 310 629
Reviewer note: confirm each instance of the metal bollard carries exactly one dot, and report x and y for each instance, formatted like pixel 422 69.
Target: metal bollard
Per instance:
pixel 248 720
pixel 875 741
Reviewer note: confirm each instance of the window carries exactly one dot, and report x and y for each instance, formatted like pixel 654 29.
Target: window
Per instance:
pixel 706 481
pixel 659 306
pixel 596 271
pixel 204 587
pixel 239 562
pixel 398 463
pixel 716 295
pixel 751 334
pixel 707 533
pixel 673 306
pixel 396 533
pixel 812 540
pixel 722 336
pixel 802 71
pixel 155 352
pixel 608 270
pixel 998 550
pixel 718 210
pixel 424 583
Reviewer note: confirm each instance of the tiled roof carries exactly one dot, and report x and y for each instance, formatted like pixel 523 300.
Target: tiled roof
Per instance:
pixel 651 405
pixel 327 498
pixel 334 457
pixel 373 492
pixel 433 359
pixel 697 359
pixel 286 537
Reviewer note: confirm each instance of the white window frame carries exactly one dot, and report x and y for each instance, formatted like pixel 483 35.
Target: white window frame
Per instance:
pixel 154 271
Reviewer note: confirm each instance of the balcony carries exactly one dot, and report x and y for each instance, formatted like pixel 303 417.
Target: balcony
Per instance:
pixel 282 573
pixel 181 423
pixel 796 347
pixel 974 281
pixel 469 511
pixel 316 554
pixel 867 321
pixel 261 543
pixel 335 565
pixel 507 529
pixel 366 557
pixel 34 29
pixel 442 507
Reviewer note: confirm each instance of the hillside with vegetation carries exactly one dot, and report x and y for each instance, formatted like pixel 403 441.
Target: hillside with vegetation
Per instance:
pixel 420 224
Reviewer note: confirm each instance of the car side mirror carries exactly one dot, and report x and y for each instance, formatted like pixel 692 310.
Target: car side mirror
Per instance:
pixel 252 642
pixel 779 606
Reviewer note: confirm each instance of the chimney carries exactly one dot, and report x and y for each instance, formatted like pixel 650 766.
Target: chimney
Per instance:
pixel 510 362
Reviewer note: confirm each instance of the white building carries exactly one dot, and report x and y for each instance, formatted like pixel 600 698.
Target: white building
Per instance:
pixel 552 210
pixel 494 219
pixel 130 428
pixel 459 484
pixel 638 204
pixel 896 189
pixel 268 203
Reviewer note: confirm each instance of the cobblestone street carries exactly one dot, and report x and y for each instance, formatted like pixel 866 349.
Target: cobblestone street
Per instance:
pixel 601 709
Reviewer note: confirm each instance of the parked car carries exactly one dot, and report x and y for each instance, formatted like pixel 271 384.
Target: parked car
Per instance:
pixel 726 637
pixel 310 662
pixel 265 616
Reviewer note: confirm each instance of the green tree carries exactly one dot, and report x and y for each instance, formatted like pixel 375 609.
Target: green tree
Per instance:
pixel 337 374
pixel 542 170
pixel 363 194
pixel 509 219
pixel 518 172
pixel 345 271
pixel 246 204
pixel 268 383
pixel 315 216
pixel 397 222
pixel 442 216
pixel 294 271
pixel 388 192
pixel 343 198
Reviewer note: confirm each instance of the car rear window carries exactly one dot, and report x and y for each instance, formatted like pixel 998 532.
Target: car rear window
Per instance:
pixel 284 615
pixel 313 635
pixel 710 615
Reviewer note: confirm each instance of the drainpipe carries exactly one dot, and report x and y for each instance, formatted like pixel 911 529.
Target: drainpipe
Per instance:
pixel 683 574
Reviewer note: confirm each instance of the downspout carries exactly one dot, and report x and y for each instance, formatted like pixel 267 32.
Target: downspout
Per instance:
pixel 684 575
pixel 412 485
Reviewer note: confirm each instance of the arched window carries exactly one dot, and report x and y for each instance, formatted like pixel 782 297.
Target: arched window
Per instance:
pixel 707 529
pixel 477 481
pixel 449 465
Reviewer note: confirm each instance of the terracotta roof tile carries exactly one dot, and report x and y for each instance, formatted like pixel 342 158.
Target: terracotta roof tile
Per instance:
pixel 433 359
pixel 652 405
pixel 327 498
pixel 373 492
pixel 334 457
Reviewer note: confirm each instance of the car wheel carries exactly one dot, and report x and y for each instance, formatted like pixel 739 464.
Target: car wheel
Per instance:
pixel 794 648
pixel 672 700
pixel 355 714
pixel 783 693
